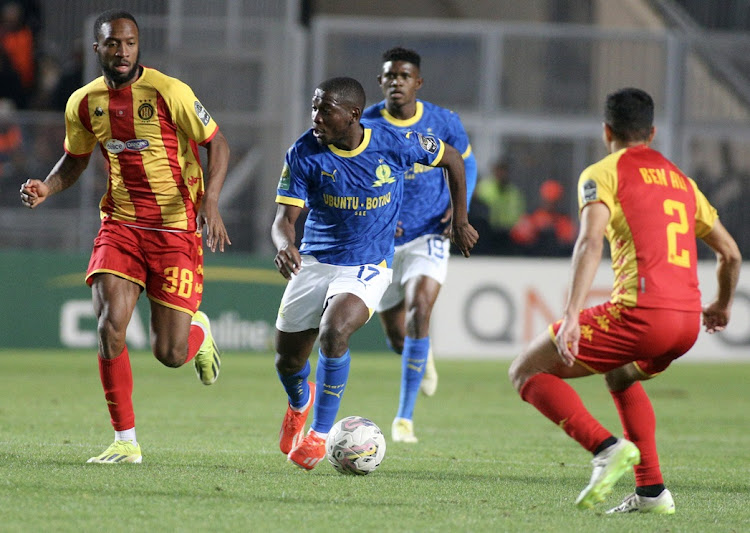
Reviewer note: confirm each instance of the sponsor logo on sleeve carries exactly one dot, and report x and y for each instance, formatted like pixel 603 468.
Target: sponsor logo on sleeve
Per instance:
pixel 588 191
pixel 202 113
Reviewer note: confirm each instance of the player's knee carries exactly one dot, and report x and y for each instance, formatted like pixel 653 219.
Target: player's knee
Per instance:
pixel 111 341
pixel 333 341
pixel 287 365
pixel 418 320
pixel 516 374
pixel 171 356
pixel 621 378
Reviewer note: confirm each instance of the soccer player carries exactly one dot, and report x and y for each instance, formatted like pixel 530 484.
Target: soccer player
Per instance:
pixel 651 214
pixel 420 262
pixel 350 174
pixel 148 126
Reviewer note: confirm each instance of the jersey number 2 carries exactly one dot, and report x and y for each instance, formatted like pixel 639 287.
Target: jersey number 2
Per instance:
pixel 674 229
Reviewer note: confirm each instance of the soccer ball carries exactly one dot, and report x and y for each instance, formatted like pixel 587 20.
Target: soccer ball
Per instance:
pixel 355 445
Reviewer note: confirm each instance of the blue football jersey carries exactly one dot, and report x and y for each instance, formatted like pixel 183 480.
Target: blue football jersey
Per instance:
pixel 426 195
pixel 354 196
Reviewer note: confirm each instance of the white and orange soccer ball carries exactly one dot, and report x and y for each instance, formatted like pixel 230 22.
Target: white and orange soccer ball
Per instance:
pixel 355 445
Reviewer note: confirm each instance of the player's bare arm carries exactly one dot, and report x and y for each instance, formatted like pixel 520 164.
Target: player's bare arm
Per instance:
pixel 208 214
pixel 587 255
pixel 288 260
pixel 463 234
pixel 64 174
pixel 728 263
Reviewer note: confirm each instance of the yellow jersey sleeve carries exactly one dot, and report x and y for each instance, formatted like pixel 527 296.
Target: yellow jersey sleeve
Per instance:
pixel 79 140
pixel 187 111
pixel 705 213
pixel 598 183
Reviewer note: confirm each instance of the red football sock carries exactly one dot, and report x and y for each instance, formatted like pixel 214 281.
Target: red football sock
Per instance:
pixel 195 339
pixel 559 402
pixel 639 424
pixel 117 381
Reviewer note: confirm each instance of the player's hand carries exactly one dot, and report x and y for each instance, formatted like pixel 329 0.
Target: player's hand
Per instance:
pixel 465 237
pixel 399 229
pixel 715 317
pixel 33 193
pixel 567 340
pixel 288 261
pixel 209 221
pixel 446 220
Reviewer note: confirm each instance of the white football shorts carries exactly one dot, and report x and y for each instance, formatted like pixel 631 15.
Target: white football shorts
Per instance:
pixel 306 294
pixel 424 256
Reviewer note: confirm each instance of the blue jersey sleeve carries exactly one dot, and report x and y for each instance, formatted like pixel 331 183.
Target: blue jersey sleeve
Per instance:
pixel 459 139
pixel 292 187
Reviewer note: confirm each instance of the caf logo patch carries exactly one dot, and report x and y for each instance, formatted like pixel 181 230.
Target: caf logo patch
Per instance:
pixel 428 143
pixel 146 111
pixel 588 191
pixel 202 113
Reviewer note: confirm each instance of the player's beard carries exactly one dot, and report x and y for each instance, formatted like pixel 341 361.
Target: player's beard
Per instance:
pixel 119 77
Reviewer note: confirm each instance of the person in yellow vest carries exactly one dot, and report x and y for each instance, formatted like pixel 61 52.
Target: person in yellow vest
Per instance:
pixel 498 205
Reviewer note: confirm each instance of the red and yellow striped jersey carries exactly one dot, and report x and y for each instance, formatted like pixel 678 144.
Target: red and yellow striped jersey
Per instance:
pixel 148 133
pixel 656 213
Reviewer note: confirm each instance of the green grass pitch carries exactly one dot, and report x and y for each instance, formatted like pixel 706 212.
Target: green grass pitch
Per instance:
pixel 486 461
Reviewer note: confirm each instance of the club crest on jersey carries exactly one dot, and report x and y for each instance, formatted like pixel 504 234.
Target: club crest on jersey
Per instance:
pixel 145 111
pixel 285 178
pixel 384 175
pixel 114 146
pixel 588 191
pixel 202 113
pixel 98 112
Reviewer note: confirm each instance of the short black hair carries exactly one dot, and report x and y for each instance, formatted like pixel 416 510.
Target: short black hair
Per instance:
pixel 346 89
pixel 109 16
pixel 629 112
pixel 402 54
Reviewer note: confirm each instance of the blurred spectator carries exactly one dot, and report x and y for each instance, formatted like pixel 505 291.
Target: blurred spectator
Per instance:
pixel 70 79
pixel 10 82
pixel 11 153
pixel 497 205
pixel 17 41
pixel 548 231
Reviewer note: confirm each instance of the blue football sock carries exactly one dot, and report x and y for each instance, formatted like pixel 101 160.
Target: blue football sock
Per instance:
pixel 331 376
pixel 413 362
pixel 296 387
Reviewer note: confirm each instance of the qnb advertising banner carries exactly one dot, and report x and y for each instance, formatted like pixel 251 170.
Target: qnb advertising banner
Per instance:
pixel 46 304
pixel 492 307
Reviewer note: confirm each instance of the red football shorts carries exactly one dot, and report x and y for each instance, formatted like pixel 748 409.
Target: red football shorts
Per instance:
pixel 614 335
pixel 169 265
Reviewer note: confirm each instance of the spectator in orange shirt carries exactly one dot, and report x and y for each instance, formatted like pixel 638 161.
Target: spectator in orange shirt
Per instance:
pixel 18 42
pixel 547 231
pixel 11 148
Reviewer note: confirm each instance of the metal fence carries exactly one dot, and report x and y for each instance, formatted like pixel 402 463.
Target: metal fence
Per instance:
pixel 530 92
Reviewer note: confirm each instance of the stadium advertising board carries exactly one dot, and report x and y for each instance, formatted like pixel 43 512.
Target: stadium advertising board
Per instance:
pixel 488 308
pixel 492 307
pixel 48 305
